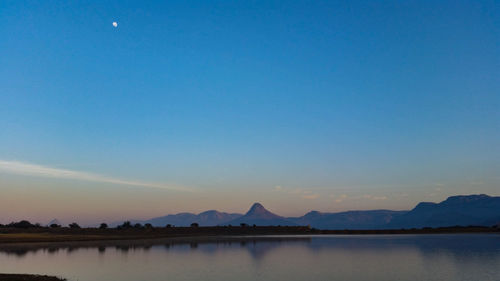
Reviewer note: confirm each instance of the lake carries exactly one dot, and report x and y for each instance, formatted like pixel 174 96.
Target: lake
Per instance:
pixel 474 257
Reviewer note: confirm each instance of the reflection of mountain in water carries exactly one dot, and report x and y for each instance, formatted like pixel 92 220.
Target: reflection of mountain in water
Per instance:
pixel 256 245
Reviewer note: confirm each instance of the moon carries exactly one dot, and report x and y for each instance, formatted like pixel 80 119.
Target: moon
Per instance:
pixel 115 24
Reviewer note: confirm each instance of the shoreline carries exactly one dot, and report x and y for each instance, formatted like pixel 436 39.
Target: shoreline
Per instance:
pixel 28 277
pixel 48 235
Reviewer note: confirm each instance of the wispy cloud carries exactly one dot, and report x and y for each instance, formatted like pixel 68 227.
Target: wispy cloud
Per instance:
pixel 476 182
pixel 303 193
pixel 310 196
pixel 21 168
pixel 372 197
pixel 341 198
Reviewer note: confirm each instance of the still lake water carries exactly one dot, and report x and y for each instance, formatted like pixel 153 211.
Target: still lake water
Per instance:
pixel 383 257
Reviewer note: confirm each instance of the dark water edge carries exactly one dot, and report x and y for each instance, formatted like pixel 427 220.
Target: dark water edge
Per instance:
pixel 424 242
pixel 21 249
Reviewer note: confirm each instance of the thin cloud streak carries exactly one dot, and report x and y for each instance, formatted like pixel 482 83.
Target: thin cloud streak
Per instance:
pixel 20 168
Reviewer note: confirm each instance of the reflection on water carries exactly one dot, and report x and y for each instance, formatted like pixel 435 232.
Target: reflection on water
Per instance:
pixel 386 257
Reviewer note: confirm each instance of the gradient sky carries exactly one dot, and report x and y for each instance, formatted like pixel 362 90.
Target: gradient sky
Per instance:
pixel 196 105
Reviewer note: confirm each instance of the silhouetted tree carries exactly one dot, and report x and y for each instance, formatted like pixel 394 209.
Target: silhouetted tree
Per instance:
pixel 74 225
pixel 168 226
pixel 55 225
pixel 21 224
pixel 138 225
pixel 243 224
pixel 103 226
pixel 194 224
pixel 148 225
pixel 126 224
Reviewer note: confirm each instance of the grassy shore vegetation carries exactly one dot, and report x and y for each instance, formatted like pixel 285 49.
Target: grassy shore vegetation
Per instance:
pixel 24 231
pixel 28 277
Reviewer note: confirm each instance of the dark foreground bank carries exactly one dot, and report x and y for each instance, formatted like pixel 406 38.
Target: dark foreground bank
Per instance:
pixel 28 277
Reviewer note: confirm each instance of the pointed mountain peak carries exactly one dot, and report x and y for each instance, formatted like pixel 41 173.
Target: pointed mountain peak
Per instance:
pixel 258 215
pixel 257 208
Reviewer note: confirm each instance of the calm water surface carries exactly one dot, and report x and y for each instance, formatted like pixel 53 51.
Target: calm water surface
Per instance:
pixel 385 257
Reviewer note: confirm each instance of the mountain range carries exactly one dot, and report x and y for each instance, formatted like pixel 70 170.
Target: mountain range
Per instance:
pixel 462 210
pixel 207 218
pixel 478 210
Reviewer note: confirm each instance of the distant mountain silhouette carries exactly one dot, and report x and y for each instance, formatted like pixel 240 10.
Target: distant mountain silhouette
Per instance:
pixel 258 215
pixel 207 218
pixel 373 219
pixel 463 210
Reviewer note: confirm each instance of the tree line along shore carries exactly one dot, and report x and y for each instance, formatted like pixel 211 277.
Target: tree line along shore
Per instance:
pixel 28 277
pixel 24 231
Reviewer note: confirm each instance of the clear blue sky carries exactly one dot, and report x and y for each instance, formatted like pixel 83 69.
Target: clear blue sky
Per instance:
pixel 300 105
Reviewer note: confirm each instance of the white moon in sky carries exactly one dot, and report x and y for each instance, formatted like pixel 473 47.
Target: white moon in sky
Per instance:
pixel 115 24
